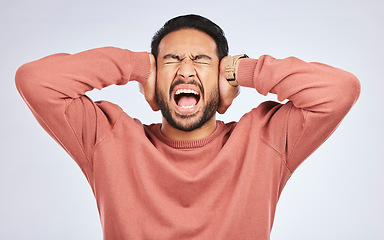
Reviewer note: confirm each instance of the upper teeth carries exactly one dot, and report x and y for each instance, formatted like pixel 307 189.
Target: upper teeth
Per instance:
pixel 186 91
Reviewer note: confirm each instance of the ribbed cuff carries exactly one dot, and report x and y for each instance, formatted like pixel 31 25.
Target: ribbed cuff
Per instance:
pixel 141 67
pixel 245 72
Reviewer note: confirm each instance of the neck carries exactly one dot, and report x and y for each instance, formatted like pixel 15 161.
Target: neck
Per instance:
pixel 175 134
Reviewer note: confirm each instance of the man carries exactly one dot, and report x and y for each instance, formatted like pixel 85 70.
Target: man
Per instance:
pixel 190 177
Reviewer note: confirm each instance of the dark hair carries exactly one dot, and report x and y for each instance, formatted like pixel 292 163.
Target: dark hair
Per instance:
pixel 194 22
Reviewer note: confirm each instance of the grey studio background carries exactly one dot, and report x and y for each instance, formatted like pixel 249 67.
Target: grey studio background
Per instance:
pixel 336 194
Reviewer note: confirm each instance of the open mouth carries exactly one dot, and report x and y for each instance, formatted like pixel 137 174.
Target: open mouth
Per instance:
pixel 186 97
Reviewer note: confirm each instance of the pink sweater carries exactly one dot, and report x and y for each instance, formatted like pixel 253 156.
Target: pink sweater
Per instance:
pixel 225 186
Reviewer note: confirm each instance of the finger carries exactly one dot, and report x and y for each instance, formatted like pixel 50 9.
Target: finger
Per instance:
pixel 141 88
pixel 154 105
pixel 223 107
pixel 152 101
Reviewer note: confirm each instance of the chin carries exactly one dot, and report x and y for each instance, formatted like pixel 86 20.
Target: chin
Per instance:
pixel 190 119
pixel 190 122
pixel 187 123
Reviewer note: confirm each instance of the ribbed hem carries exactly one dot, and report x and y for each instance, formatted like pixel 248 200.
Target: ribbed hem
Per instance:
pixel 141 66
pixel 245 72
pixel 188 143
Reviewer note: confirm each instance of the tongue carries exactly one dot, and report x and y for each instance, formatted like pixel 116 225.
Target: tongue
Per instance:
pixel 185 101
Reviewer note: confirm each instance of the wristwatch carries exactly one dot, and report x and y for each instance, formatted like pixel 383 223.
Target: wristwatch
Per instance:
pixel 230 69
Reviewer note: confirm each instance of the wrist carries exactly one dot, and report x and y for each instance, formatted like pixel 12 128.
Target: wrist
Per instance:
pixel 246 72
pixel 141 67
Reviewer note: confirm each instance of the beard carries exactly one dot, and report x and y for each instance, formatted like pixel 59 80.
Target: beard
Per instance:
pixel 188 122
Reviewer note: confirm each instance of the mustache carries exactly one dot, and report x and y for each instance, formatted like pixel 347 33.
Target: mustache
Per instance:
pixel 192 82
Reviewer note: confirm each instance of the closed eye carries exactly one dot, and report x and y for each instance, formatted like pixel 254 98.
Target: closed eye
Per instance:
pixel 172 62
pixel 171 59
pixel 201 62
pixel 202 59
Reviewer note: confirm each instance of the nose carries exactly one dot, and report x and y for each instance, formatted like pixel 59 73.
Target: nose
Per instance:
pixel 186 69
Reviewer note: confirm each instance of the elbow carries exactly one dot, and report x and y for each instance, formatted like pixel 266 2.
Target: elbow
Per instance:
pixel 350 89
pixel 26 81
pixel 346 92
pixel 356 87
pixel 21 77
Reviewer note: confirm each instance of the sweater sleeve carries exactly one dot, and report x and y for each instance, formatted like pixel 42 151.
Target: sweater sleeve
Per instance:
pixel 54 89
pixel 319 97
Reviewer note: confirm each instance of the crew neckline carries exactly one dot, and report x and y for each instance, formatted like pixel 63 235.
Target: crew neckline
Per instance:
pixel 186 144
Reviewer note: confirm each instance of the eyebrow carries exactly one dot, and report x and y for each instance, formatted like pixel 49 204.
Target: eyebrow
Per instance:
pixel 195 57
pixel 173 56
pixel 201 56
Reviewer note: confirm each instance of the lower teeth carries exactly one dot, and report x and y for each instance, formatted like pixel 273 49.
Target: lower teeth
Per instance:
pixel 186 106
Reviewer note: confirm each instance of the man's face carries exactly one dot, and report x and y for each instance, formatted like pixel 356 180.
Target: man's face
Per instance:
pixel 187 78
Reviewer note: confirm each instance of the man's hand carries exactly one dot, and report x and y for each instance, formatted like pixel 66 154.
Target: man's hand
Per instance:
pixel 148 89
pixel 227 91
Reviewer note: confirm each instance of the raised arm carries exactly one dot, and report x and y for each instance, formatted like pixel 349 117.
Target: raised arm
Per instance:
pixel 54 89
pixel 319 98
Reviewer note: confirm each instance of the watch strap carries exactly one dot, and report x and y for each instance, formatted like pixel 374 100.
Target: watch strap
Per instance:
pixel 230 74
